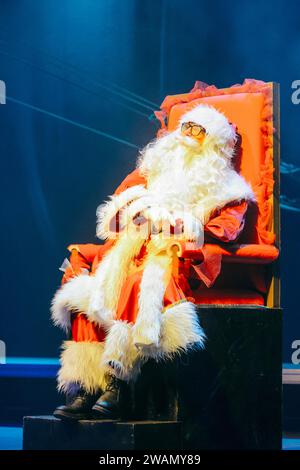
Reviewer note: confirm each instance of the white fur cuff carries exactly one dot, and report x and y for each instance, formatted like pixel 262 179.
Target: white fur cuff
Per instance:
pixel 120 355
pixel 81 365
pixel 73 295
pixel 107 211
pixel 180 332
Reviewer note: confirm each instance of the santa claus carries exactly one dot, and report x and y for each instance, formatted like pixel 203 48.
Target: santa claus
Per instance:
pixel 129 299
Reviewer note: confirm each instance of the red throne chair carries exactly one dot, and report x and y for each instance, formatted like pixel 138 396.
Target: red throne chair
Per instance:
pixel 249 275
pixel 229 396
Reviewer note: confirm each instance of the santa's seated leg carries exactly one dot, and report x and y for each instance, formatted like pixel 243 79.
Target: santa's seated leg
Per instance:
pixel 155 318
pixel 147 327
pixel 81 376
pixel 94 363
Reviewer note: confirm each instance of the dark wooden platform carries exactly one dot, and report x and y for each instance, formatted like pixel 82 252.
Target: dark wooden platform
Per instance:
pixel 47 432
pixel 228 396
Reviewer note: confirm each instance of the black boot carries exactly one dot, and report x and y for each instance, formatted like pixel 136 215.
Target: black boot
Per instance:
pixel 107 406
pixel 78 407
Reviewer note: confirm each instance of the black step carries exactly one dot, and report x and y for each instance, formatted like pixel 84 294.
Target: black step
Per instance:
pixel 49 433
pixel 226 397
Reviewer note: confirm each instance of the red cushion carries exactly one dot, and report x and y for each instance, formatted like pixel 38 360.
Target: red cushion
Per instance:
pixel 228 297
pixel 253 254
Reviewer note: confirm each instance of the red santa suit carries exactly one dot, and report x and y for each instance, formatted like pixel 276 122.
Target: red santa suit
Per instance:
pixel 130 299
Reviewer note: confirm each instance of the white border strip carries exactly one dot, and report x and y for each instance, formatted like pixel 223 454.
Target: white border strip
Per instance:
pixel 291 376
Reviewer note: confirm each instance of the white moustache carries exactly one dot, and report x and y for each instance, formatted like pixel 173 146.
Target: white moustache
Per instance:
pixel 187 141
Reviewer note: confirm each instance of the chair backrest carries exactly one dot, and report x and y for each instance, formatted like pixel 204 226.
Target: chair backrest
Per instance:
pixel 250 107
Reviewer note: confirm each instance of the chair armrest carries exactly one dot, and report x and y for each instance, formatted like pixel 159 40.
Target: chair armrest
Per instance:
pixel 236 253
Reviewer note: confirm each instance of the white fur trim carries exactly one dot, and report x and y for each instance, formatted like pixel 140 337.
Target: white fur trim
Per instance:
pixel 108 210
pixel 146 331
pixel 73 295
pixel 120 355
pixel 110 276
pixel 139 205
pixel 81 364
pixel 180 332
pixel 215 123
pixel 97 309
pixel 97 295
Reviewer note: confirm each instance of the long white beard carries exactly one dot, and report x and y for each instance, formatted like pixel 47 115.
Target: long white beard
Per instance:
pixel 197 177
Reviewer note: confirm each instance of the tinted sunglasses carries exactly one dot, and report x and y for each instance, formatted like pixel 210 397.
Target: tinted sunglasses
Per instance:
pixel 196 129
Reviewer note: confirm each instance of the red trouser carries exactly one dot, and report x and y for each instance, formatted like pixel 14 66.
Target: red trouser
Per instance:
pixel 84 330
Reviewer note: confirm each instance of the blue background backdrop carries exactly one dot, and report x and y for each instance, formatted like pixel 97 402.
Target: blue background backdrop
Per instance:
pixel 83 78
